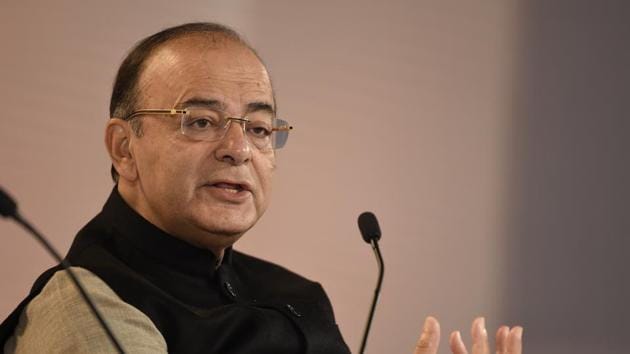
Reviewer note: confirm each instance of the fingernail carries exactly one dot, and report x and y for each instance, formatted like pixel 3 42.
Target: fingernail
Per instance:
pixel 424 341
pixel 504 330
pixel 519 332
pixel 426 324
pixel 425 330
pixel 430 324
pixel 479 328
pixel 482 326
pixel 458 336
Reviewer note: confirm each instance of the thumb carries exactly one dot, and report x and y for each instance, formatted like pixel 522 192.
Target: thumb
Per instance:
pixel 430 338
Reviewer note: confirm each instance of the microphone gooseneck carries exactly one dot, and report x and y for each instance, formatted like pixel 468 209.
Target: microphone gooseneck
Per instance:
pixel 371 233
pixel 8 208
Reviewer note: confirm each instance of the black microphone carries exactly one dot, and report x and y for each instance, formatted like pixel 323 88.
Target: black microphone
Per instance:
pixel 7 205
pixel 371 232
pixel 368 225
pixel 8 208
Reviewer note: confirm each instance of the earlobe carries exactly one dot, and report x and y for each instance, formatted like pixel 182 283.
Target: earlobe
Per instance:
pixel 117 141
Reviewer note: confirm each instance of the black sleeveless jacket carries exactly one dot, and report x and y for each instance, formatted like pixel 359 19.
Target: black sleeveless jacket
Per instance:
pixel 247 305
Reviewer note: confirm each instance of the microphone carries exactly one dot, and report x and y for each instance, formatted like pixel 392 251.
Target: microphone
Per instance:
pixel 371 233
pixel 7 205
pixel 8 208
pixel 368 225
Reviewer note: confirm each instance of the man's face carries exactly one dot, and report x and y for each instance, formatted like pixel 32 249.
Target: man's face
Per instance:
pixel 186 187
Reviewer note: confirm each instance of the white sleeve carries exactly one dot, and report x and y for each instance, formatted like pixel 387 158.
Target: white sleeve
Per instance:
pixel 58 321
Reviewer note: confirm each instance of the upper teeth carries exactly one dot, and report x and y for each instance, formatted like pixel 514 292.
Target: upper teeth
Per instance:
pixel 229 187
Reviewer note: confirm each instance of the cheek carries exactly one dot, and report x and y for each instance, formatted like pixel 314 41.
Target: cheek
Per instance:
pixel 181 169
pixel 169 169
pixel 265 170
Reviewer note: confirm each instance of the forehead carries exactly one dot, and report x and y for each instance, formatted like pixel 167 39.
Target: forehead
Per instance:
pixel 206 68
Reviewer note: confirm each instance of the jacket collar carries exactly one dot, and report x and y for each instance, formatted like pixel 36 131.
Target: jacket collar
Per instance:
pixel 156 243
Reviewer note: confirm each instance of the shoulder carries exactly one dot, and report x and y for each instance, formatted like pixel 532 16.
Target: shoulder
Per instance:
pixel 273 281
pixel 265 275
pixel 263 268
pixel 58 320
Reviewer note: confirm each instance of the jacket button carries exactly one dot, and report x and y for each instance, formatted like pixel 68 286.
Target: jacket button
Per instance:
pixel 293 310
pixel 230 289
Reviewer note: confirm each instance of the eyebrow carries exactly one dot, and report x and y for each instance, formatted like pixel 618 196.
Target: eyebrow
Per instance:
pixel 215 104
pixel 195 101
pixel 260 106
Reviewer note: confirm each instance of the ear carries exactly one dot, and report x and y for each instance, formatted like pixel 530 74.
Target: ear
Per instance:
pixel 118 136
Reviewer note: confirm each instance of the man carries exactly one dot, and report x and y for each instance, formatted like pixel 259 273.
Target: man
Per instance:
pixel 192 143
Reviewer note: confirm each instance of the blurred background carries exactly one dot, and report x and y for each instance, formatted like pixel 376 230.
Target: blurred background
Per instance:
pixel 490 137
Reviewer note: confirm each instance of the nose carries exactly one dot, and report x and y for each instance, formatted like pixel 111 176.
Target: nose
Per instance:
pixel 234 148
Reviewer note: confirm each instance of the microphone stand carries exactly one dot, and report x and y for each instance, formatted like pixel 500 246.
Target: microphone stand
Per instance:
pixel 9 208
pixel 377 290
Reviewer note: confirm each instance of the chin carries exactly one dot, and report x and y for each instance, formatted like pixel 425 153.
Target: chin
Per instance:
pixel 228 231
pixel 228 226
pixel 222 219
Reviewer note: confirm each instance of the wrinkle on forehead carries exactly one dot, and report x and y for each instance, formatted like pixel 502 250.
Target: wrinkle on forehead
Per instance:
pixel 189 65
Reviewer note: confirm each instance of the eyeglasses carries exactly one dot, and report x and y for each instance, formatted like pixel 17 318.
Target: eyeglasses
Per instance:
pixel 261 128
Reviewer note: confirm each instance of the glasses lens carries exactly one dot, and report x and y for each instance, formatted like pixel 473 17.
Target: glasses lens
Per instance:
pixel 259 129
pixel 203 124
pixel 281 134
pixel 262 130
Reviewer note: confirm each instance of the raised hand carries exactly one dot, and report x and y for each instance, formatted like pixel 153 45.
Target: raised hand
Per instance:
pixel 508 341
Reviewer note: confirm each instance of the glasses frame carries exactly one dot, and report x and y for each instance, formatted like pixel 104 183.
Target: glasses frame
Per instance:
pixel 169 112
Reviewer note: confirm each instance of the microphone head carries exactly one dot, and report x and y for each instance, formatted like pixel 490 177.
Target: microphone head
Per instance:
pixel 369 227
pixel 7 204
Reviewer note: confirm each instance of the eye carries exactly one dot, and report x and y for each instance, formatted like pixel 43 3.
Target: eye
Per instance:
pixel 200 120
pixel 258 130
pixel 259 125
pixel 200 123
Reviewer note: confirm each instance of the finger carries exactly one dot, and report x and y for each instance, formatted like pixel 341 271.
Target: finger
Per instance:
pixel 479 336
pixel 515 341
pixel 502 339
pixel 430 338
pixel 457 344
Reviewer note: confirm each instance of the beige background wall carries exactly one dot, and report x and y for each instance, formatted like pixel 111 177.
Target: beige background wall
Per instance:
pixel 412 109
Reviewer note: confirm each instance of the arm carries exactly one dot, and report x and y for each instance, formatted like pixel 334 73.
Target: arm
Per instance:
pixel 58 321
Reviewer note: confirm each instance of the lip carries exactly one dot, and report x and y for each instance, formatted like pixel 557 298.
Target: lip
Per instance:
pixel 241 194
pixel 243 185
